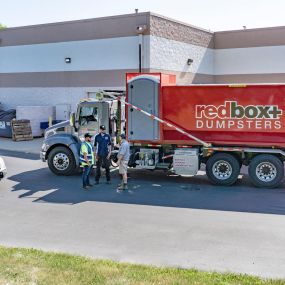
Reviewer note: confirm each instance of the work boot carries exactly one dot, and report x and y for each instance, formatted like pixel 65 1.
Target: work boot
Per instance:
pixel 124 186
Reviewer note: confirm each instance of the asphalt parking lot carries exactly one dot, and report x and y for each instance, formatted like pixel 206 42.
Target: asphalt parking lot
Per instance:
pixel 162 220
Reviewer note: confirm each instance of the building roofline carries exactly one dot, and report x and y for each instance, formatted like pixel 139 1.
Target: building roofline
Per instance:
pixel 107 18
pixel 76 21
pixel 149 13
pixel 250 30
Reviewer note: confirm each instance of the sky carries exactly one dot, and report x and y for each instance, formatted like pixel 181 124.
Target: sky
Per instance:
pixel 214 15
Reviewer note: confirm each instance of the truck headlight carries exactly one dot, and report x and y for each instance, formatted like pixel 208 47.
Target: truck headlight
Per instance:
pixel 45 147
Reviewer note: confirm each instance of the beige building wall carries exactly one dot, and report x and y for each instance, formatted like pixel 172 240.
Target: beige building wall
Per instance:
pixel 172 43
pixel 33 70
pixel 251 56
pixel 243 56
pixel 102 50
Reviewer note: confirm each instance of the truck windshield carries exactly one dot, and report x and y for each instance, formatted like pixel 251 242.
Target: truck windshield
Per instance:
pixel 88 114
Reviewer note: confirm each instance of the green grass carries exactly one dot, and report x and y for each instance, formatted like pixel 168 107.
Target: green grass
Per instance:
pixel 28 266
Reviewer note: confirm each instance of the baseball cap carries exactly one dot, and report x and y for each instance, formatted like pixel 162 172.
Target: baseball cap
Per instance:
pixel 87 135
pixel 123 136
pixel 102 127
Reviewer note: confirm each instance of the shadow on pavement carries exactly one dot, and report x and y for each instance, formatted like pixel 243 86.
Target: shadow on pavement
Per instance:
pixel 20 154
pixel 153 189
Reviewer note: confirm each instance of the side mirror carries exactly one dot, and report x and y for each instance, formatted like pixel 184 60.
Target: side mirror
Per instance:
pixel 73 121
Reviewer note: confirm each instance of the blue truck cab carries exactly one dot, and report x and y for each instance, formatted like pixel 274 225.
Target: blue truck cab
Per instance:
pixel 61 146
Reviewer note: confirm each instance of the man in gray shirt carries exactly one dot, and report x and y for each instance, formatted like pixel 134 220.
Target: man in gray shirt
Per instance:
pixel 123 159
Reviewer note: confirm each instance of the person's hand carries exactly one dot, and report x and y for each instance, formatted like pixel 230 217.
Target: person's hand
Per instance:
pixel 96 158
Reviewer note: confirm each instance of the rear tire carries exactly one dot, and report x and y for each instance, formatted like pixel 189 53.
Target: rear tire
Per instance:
pixel 223 169
pixel 266 170
pixel 61 161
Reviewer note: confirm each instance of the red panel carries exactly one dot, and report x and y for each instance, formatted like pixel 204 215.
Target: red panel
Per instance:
pixel 251 115
pixel 168 79
pixel 164 79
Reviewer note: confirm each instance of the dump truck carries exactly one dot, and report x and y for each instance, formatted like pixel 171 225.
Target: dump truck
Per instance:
pixel 62 141
pixel 179 128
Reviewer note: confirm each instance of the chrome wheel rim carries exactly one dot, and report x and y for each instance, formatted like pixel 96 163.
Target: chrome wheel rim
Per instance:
pixel 266 171
pixel 61 161
pixel 222 170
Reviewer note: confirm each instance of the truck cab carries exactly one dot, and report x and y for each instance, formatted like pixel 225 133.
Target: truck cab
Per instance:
pixel 62 141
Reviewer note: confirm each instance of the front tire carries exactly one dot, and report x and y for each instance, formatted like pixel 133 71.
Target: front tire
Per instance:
pixel 223 169
pixel 61 161
pixel 266 170
pixel 114 159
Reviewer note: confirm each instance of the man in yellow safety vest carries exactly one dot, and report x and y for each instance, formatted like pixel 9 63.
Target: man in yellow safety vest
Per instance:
pixel 86 160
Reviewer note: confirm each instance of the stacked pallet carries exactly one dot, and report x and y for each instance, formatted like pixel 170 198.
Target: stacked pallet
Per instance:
pixel 21 130
pixel 36 115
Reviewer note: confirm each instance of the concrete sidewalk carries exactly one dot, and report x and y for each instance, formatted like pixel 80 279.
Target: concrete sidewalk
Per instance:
pixel 33 146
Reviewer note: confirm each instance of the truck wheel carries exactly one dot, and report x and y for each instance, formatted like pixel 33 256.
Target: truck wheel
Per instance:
pixel 223 169
pixel 61 161
pixel 114 160
pixel 266 170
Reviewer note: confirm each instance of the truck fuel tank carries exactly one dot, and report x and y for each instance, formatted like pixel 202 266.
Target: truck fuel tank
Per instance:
pixel 186 161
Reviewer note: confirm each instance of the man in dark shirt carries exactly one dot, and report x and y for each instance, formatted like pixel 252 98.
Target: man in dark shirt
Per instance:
pixel 102 146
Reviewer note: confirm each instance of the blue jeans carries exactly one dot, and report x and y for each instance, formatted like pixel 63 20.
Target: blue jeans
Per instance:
pixel 85 175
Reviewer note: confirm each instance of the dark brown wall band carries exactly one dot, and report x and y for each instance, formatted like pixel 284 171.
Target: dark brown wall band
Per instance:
pixel 97 78
pixel 99 28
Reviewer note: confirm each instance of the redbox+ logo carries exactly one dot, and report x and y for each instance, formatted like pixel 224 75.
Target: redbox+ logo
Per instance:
pixel 231 110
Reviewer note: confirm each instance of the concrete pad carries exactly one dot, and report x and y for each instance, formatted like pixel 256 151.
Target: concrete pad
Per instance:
pixel 33 146
pixel 163 220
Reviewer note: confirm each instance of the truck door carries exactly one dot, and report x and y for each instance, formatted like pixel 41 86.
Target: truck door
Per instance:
pixel 91 116
pixel 143 92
